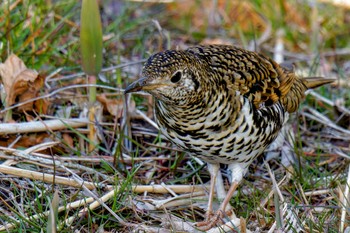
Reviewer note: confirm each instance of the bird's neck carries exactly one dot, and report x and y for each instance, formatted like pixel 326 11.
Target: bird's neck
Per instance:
pixel 211 108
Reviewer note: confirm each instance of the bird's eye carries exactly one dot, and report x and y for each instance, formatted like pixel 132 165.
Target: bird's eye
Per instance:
pixel 176 77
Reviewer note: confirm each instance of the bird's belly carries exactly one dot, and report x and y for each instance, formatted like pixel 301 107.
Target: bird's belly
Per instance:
pixel 240 142
pixel 220 148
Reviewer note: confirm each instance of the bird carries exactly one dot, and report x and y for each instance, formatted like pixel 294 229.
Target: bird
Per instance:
pixel 222 104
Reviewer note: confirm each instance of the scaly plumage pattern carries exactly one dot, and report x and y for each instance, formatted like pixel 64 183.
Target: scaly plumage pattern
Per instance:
pixel 221 103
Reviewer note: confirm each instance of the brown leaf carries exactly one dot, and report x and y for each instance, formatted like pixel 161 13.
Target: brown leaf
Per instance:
pixel 9 71
pixel 114 106
pixel 15 77
pixel 68 139
pixel 31 90
pixel 41 106
pixel 22 84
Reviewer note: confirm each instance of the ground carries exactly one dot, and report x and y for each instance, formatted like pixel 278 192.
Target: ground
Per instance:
pixel 114 172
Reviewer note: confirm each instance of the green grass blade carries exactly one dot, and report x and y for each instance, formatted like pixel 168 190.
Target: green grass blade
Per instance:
pixel 91 37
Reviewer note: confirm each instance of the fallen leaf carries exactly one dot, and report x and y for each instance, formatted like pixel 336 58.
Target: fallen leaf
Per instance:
pixel 22 84
pixel 114 106
pixel 14 73
pixel 68 140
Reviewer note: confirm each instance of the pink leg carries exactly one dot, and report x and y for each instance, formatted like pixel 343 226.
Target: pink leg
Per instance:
pixel 237 170
pixel 227 199
pixel 213 170
pixel 210 223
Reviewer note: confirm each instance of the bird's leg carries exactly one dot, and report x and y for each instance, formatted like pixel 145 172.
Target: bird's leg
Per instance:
pixel 214 219
pixel 226 202
pixel 237 171
pixel 213 169
pixel 216 182
pixel 220 190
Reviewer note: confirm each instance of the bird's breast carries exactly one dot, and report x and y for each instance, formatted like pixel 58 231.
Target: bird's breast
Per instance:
pixel 218 133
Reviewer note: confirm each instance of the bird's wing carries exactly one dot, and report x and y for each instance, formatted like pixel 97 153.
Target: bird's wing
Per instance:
pixel 253 75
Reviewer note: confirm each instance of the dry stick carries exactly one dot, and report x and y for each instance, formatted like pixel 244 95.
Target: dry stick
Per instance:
pixel 112 68
pixel 67 207
pixel 47 177
pixel 41 126
pixel 345 203
pixel 318 192
pixel 28 157
pixel 90 185
pixel 89 159
pixel 147 119
pixel 183 202
pixel 285 207
pixel 279 213
pixel 94 205
pixel 97 201
pixel 57 91
pixel 317 116
pixel 329 102
pixel 99 159
pixel 301 190
pixel 41 146
pixel 44 161
pixel 169 189
pixel 269 196
pixel 338 151
pixel 177 200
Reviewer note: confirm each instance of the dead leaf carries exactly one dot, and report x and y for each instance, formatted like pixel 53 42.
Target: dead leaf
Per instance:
pixel 68 140
pixel 114 106
pixel 14 73
pixel 22 84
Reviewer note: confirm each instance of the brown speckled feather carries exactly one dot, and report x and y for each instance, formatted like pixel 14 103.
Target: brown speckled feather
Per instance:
pixel 257 77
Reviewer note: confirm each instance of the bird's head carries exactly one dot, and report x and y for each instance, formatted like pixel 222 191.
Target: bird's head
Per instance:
pixel 173 77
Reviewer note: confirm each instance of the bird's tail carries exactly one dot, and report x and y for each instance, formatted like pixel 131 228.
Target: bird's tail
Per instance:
pixel 297 89
pixel 313 82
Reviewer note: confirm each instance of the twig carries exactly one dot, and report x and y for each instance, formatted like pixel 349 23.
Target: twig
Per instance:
pixel 48 178
pixel 29 156
pixel 317 116
pixel 102 71
pixel 277 194
pixel 147 119
pixel 41 126
pixel 67 207
pixel 329 102
pixel 345 202
pixel 97 201
pixel 177 200
pixel 57 91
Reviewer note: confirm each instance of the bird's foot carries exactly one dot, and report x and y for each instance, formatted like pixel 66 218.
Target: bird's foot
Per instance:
pixel 216 220
pixel 213 219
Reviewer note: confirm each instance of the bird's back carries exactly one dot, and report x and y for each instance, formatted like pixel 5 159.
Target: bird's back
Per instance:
pixel 255 76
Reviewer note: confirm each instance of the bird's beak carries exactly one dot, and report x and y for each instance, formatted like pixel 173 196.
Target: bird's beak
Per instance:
pixel 135 86
pixel 143 85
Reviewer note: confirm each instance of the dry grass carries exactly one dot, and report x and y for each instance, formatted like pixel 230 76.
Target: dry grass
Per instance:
pixel 135 180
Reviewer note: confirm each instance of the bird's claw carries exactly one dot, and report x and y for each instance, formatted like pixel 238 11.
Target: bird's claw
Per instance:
pixel 211 220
